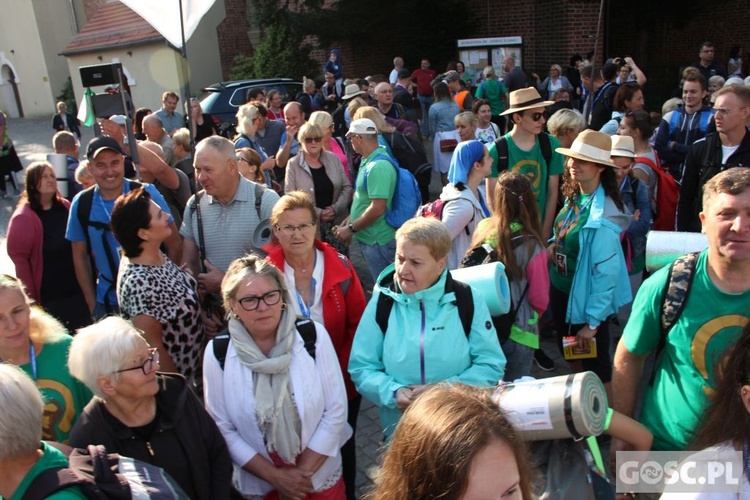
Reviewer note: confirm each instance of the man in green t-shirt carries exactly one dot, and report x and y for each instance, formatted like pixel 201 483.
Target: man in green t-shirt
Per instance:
pixel 712 317
pixel 373 193
pixel 527 113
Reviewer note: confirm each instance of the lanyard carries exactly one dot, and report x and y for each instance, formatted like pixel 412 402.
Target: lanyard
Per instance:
pixel 570 220
pixel 304 308
pixel 32 359
pixel 104 207
pixel 600 94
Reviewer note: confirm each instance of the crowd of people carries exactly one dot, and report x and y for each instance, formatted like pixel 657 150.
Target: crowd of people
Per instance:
pixel 197 309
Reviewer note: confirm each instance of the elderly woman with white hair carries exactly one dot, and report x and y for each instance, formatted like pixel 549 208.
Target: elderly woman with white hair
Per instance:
pixel 554 82
pixel 23 455
pixel 248 118
pixel 275 389
pixel 142 414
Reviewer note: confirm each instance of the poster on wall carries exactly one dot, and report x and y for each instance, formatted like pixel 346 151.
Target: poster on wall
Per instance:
pixel 476 53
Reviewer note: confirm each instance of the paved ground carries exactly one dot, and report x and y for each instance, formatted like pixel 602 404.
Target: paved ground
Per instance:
pixel 32 139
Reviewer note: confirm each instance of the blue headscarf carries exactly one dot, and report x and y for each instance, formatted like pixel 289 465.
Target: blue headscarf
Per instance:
pixel 464 156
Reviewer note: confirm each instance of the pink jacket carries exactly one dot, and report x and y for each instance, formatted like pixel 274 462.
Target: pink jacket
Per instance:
pixel 25 237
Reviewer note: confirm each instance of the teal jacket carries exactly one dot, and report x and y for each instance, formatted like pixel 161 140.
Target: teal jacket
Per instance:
pixel 425 343
pixel 601 284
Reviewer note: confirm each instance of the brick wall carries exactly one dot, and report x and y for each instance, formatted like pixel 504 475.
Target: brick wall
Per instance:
pixel 90 7
pixel 663 50
pixel 234 35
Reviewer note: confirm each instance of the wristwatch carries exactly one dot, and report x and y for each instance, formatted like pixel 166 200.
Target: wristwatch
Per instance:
pixel 593 328
pixel 351 228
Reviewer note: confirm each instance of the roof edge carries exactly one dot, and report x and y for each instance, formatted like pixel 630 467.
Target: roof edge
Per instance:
pixel 109 46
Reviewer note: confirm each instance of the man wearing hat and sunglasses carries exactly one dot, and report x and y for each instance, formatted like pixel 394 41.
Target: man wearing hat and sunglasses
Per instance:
pixel 528 150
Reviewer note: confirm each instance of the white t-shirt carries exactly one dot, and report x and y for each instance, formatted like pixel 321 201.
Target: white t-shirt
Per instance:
pixel 727 151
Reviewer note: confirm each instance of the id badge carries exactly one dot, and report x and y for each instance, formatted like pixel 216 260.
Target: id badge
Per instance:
pixel 561 263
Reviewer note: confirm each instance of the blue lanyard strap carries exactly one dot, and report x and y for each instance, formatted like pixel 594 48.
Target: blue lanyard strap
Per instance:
pixel 32 359
pixel 305 308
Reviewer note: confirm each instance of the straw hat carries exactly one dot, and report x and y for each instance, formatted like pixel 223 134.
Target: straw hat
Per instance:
pixel 351 91
pixel 590 145
pixel 523 99
pixel 623 145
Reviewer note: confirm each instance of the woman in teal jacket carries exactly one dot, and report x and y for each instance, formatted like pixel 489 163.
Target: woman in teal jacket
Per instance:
pixel 589 277
pixel 423 340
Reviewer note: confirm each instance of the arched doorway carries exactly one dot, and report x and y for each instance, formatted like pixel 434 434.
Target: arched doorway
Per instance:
pixel 9 92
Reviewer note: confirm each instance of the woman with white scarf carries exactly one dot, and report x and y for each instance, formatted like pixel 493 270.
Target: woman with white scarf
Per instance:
pixel 280 404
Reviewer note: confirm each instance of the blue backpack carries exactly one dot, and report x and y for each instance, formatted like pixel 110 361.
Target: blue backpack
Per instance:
pixel 406 195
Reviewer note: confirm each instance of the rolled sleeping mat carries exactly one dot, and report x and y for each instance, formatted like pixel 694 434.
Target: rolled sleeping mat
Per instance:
pixel 490 280
pixel 664 247
pixel 568 406
pixel 59 164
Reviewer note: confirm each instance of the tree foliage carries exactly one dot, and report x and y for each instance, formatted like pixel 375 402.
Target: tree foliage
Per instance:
pixel 415 29
pixel 282 53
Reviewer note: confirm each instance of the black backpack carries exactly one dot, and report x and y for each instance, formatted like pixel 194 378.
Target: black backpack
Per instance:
pixel 305 327
pixel 464 303
pixel 100 475
pixel 83 213
pixel 501 146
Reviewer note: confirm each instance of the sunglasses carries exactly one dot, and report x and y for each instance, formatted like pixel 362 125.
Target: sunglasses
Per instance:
pixel 310 140
pixel 537 116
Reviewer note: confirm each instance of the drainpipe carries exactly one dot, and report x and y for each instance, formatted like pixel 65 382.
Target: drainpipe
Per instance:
pixel 73 12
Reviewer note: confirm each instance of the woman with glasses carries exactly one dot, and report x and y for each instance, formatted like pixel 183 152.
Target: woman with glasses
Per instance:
pixel 42 256
pixel 155 294
pixel 38 344
pixel 336 145
pixel 554 82
pixel 326 288
pixel 275 389
pixel 144 414
pixel 321 175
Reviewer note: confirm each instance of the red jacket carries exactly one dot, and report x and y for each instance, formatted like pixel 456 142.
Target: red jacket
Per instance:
pixel 25 237
pixel 341 313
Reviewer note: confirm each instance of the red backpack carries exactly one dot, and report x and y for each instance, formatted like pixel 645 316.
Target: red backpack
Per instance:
pixel 665 195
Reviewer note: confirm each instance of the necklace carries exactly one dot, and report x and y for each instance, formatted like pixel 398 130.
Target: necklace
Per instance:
pixel 315 259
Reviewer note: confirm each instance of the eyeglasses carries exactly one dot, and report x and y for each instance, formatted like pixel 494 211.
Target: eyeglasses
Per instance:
pixel 537 116
pixel 288 230
pixel 310 140
pixel 148 365
pixel 251 302
pixel 725 112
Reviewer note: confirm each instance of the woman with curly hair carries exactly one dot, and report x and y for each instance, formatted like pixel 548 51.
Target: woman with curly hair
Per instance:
pixel 589 277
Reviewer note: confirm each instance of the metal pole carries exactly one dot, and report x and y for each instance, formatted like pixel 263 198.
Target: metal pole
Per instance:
pixel 590 96
pixel 186 87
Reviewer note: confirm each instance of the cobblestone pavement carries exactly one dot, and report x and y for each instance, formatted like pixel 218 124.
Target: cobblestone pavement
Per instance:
pixel 32 139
